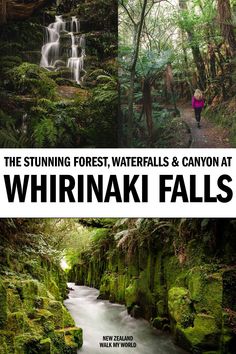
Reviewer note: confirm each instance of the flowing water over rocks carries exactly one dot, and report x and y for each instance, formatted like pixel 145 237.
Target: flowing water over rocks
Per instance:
pixel 100 318
pixel 55 55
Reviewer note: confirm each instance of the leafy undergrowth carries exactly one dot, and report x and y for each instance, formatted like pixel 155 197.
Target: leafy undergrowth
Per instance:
pixel 41 108
pixel 224 115
pixel 169 130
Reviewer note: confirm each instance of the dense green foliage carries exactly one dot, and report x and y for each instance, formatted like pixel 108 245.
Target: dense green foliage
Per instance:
pixel 172 48
pixel 32 287
pixel 179 274
pixel 41 108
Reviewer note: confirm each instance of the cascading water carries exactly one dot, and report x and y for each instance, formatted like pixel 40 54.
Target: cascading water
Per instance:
pixel 76 63
pixel 75 25
pixel 51 49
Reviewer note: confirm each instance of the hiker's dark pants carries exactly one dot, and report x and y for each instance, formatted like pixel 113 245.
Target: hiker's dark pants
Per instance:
pixel 198 112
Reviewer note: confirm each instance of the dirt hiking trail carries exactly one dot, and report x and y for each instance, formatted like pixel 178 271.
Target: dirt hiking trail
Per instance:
pixel 208 136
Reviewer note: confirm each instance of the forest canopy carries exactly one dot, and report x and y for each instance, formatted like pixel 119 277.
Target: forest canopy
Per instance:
pixel 167 50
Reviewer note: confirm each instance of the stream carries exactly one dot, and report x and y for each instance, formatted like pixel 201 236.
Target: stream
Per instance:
pixel 100 318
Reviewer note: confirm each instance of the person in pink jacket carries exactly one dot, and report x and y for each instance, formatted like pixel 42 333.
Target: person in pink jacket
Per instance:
pixel 198 104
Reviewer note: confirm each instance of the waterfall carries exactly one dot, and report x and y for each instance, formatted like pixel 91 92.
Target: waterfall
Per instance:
pixel 51 49
pixel 75 25
pixel 75 62
pixel 74 47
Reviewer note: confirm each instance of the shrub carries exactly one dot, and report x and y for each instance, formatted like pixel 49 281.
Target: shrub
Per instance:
pixel 31 79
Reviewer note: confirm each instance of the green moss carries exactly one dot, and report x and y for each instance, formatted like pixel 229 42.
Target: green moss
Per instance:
pixel 203 334
pixel 7 342
pixel 173 272
pixel 185 294
pixel 45 346
pixel 104 289
pixel 53 289
pixel 18 322
pixel 3 304
pixel 41 302
pixel 121 286
pixel 206 291
pixel 27 343
pixel 33 312
pixel 13 300
pixel 161 307
pixel 76 333
pixel 160 322
pixel 67 319
pixel 131 294
pixel 138 293
pixel 69 340
pixel 56 308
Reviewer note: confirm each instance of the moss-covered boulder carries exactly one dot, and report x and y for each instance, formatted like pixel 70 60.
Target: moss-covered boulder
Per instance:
pixel 69 340
pixel 179 305
pixel 203 335
pixel 32 319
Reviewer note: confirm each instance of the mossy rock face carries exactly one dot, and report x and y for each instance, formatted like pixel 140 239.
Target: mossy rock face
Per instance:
pixel 56 308
pixel 69 340
pixel 14 302
pixel 7 342
pixel 33 316
pixel 206 291
pixel 179 305
pixel 138 293
pixel 160 322
pixel 205 334
pixel 131 294
pixel 27 343
pixel 104 290
pixel 3 305
pixel 17 322
pixel 45 346
pixel 161 307
pixel 172 272
pixel 67 319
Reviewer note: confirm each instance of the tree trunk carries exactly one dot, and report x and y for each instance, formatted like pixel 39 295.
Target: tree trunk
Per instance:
pixel 3 15
pixel 186 68
pixel 226 25
pixel 119 121
pixel 137 37
pixel 147 105
pixel 170 85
